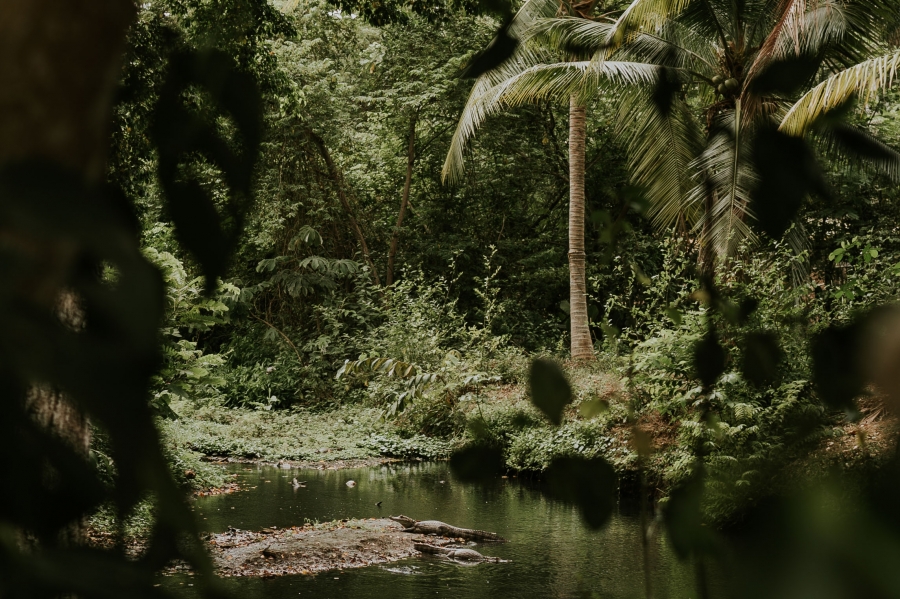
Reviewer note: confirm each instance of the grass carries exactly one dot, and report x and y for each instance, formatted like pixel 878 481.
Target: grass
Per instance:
pixel 350 433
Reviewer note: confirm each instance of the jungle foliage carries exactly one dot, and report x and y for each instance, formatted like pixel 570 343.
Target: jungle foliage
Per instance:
pixel 275 236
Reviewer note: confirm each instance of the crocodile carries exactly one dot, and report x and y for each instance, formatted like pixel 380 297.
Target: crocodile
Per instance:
pixel 435 527
pixel 454 553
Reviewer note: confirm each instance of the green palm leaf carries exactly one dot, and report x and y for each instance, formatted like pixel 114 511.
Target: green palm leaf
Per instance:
pixel 661 149
pixel 568 34
pixel 643 16
pixel 535 82
pixel 726 180
pixel 865 79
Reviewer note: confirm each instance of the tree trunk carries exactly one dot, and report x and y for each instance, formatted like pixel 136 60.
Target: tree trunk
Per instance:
pixel 336 178
pixel 582 348
pixel 404 200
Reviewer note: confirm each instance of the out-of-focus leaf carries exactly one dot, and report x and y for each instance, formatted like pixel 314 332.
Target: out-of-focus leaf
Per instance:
pixel 761 358
pixel 787 172
pixel 593 407
pixel 674 315
pixel 746 309
pixel 590 484
pixel 179 133
pixel 786 76
pixel 667 86
pixel 709 359
pixel 836 366
pixel 881 354
pixel 550 391
pixel 499 51
pixel 103 364
pixel 477 463
pixel 861 145
pixel 683 518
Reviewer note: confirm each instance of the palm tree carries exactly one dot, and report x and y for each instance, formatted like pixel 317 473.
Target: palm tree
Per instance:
pixel 723 55
pixel 538 60
pixel 692 79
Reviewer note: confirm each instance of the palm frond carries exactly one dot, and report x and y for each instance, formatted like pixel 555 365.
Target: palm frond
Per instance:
pixel 643 16
pixel 784 34
pixel 661 148
pixel 566 34
pixel 858 147
pixel 865 79
pixel 556 81
pixel 725 173
pixel 674 46
pixel 531 12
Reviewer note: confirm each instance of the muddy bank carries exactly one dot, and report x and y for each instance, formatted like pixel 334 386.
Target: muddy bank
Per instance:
pixel 330 464
pixel 231 487
pixel 310 549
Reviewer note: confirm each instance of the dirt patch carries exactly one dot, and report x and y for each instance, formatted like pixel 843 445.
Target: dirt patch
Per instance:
pixel 311 549
pixel 663 433
pixel 223 490
pixel 873 436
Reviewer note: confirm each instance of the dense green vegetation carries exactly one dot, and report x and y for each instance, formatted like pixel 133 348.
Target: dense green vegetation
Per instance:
pixel 478 269
pixel 338 297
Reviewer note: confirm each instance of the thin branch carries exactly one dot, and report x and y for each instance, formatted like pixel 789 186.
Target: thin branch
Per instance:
pixel 279 331
pixel 404 202
pixel 336 178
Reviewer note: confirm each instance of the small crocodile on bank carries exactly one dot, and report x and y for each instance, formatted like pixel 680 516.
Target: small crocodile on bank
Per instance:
pixel 435 527
pixel 455 553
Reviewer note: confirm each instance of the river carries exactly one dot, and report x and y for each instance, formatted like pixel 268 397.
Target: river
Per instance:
pixel 550 552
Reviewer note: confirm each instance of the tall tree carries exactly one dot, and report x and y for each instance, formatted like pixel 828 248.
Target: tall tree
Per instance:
pixel 740 66
pixel 540 69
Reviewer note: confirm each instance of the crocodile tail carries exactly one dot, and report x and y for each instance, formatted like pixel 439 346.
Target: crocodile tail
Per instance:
pixel 489 536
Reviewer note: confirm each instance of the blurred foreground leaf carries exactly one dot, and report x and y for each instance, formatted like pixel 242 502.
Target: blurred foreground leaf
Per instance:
pixel 550 391
pixel 180 134
pixel 683 517
pixel 709 359
pixel 836 369
pixel 477 463
pixel 761 358
pixel 589 484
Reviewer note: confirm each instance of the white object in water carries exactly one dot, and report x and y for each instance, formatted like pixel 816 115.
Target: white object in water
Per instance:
pixel 351 483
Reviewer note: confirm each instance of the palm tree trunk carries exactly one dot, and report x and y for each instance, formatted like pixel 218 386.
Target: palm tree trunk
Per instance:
pixel 404 201
pixel 582 348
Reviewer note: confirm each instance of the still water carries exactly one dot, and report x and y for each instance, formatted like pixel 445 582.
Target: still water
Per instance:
pixel 551 554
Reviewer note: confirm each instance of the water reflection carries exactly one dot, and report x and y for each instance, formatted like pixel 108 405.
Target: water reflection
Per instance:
pixel 550 553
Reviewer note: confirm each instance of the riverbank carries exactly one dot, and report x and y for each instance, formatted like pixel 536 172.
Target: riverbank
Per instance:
pixel 601 421
pixel 649 447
